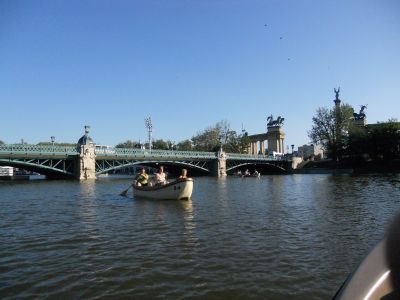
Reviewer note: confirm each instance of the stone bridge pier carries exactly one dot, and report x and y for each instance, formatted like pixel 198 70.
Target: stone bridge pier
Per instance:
pixel 219 166
pixel 87 157
pixel 87 162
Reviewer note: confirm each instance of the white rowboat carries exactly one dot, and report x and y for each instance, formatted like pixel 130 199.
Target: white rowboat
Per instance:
pixel 179 189
pixel 371 280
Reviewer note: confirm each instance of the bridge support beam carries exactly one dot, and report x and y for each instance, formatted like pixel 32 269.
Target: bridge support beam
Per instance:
pixel 86 162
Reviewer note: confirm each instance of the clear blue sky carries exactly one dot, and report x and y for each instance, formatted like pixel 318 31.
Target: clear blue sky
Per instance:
pixel 189 64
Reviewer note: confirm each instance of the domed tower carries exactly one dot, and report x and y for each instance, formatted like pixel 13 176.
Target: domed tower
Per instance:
pixel 87 157
pixel 85 139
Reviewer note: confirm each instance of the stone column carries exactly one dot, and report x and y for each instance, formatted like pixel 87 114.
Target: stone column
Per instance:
pixel 221 163
pixel 87 162
pixel 275 137
pixel 262 146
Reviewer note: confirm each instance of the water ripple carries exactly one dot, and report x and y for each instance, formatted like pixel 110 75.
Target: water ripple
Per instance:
pixel 280 237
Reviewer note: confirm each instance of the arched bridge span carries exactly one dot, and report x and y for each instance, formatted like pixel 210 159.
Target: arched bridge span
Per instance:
pixel 66 162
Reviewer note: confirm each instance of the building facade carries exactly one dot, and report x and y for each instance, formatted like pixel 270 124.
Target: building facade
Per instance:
pixel 311 150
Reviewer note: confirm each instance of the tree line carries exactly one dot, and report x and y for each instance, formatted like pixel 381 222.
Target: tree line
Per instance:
pixel 336 132
pixel 210 139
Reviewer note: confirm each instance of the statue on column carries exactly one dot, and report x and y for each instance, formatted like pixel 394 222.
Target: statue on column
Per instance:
pixel 361 114
pixel 337 91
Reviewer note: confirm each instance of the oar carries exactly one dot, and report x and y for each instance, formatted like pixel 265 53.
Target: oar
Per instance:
pixel 126 191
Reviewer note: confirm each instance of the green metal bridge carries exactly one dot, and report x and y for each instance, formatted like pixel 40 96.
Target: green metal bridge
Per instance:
pixel 61 162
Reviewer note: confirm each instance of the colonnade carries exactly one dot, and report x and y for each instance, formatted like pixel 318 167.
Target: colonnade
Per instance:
pixel 257 147
pixel 274 137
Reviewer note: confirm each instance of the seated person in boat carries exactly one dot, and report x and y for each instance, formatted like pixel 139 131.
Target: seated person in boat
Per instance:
pixel 247 172
pixel 256 173
pixel 142 179
pixel 160 178
pixel 183 174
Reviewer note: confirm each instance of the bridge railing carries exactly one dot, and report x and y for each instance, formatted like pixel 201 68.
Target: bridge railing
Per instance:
pixel 178 154
pixel 125 152
pixel 131 152
pixel 38 149
pixel 238 156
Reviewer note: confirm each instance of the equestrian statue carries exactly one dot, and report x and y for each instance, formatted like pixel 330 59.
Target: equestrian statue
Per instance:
pixel 361 114
pixel 273 123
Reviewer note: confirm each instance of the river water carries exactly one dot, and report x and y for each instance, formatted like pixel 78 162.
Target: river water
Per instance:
pixel 278 237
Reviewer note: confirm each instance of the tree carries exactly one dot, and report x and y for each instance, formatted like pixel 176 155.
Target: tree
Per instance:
pixel 160 145
pixel 185 145
pixel 212 138
pixel 378 141
pixel 244 142
pixel 208 140
pixel 384 140
pixel 330 129
pixel 171 145
pixel 1 142
pixel 232 142
pixel 127 144
pixel 357 142
pixel 225 133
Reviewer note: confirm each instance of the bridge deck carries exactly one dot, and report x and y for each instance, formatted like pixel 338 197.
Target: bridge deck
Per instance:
pixel 64 160
pixel 18 150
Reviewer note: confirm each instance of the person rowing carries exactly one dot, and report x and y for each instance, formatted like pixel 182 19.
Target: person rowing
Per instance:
pixel 142 179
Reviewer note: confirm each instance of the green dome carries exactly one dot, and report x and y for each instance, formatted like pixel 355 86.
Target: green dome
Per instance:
pixel 85 140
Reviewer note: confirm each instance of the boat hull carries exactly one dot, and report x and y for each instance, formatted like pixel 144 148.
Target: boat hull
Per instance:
pixel 371 280
pixel 180 189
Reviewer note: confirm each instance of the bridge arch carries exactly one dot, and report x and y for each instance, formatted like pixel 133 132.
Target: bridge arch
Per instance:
pixel 106 166
pixel 71 162
pixel 239 164
pixel 57 168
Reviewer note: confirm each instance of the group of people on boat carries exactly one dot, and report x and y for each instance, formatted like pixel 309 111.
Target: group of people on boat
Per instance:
pixel 248 174
pixel 160 178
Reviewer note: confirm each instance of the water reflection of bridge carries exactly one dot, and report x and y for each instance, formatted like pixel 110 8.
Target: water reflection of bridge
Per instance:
pixel 64 162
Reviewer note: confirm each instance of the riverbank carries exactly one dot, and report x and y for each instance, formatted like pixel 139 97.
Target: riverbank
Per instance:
pixel 349 167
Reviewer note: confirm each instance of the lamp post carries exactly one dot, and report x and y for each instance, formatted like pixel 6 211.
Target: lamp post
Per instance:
pixel 53 138
pixel 149 126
